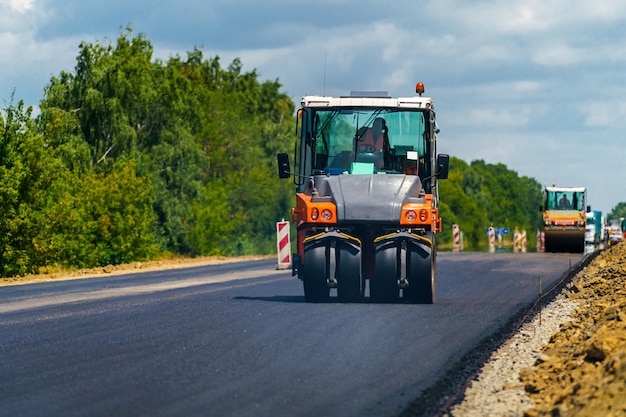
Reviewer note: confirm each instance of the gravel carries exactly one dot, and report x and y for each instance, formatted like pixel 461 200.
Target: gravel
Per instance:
pixel 498 391
pixel 568 360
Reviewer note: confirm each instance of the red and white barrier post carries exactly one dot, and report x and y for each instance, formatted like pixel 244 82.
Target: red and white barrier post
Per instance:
pixel 516 240
pixel 524 242
pixel 492 239
pixel 456 236
pixel 283 245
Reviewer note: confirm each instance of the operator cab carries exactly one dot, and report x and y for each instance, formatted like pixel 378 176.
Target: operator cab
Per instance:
pixel 368 133
pixel 362 140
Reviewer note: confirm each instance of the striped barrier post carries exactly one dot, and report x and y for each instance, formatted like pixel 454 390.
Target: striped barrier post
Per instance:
pixel 516 240
pixel 492 239
pixel 456 235
pixel 283 245
pixel 524 242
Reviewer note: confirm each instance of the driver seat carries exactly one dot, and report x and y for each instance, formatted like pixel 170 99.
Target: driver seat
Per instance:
pixel 375 140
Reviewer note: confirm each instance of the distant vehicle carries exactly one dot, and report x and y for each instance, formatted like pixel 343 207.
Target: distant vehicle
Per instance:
pixel 564 218
pixel 593 228
pixel 616 233
pixel 367 200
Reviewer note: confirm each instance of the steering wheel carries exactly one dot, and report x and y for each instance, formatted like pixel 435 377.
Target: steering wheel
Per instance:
pixel 367 148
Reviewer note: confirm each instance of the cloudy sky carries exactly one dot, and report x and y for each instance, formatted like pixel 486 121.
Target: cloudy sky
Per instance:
pixel 538 85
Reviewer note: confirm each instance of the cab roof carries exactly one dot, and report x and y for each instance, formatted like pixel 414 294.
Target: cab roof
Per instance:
pixel 571 189
pixel 416 102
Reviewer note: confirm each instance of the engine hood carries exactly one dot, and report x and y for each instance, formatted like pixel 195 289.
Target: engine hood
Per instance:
pixel 370 197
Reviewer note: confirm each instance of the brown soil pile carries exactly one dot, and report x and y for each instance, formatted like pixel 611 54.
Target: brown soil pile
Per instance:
pixel 582 370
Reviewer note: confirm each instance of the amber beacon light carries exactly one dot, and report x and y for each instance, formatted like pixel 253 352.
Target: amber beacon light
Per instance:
pixel 419 88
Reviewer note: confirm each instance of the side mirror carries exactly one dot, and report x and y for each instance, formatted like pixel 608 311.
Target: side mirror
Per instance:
pixel 284 171
pixel 443 163
pixel 588 209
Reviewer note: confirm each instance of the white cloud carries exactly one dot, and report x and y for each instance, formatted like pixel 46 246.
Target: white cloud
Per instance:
pixel 20 6
pixel 517 82
pixel 28 64
pixel 611 114
pixel 490 118
pixel 17 16
pixel 523 18
pixel 559 54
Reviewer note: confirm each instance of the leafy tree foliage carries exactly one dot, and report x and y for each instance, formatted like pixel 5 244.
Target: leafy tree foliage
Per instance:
pixel 132 157
pixel 101 219
pixel 478 195
pixel 185 146
pixel 618 212
pixel 27 172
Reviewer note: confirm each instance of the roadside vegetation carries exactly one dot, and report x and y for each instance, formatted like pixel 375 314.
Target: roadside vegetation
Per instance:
pixel 130 159
pixel 478 195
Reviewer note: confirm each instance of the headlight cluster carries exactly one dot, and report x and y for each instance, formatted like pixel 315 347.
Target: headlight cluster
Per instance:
pixel 326 214
pixel 310 210
pixel 413 215
pixel 423 215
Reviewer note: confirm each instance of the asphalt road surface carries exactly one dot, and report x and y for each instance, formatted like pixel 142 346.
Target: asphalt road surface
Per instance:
pixel 239 340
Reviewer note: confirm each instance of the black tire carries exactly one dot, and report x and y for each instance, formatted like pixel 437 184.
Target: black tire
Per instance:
pixel 315 274
pixel 350 284
pixel 384 284
pixel 422 271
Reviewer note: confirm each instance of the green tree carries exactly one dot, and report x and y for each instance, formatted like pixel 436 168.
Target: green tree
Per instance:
pixel 513 200
pixel 27 176
pixel 454 199
pixel 188 124
pixel 102 219
pixel 478 195
pixel 618 212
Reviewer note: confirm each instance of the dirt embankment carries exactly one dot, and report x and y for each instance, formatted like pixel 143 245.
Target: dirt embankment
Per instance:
pixel 582 370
